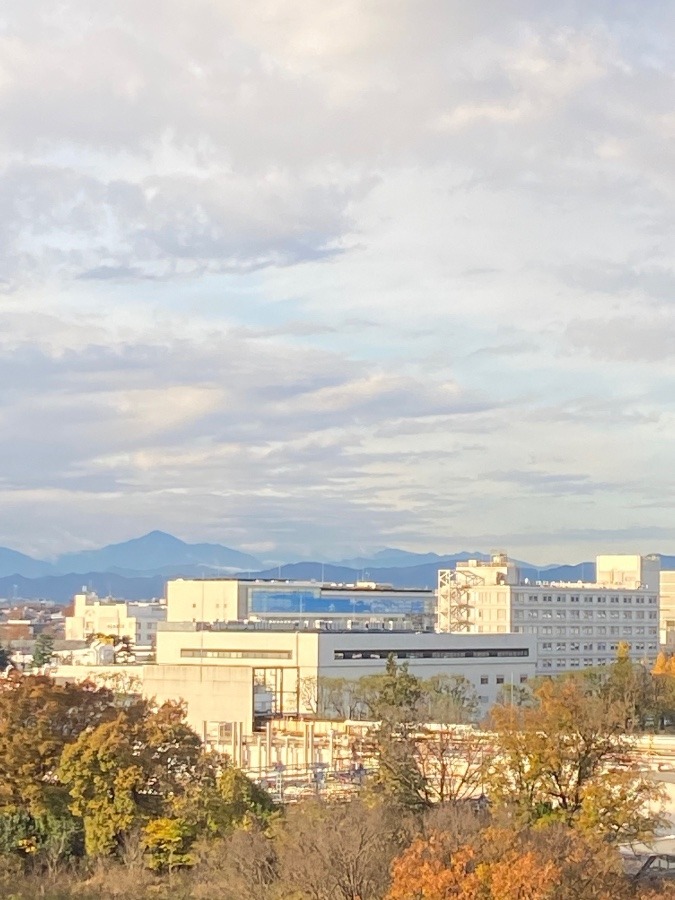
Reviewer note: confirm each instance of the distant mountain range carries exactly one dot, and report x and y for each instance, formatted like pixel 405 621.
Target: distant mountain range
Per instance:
pixel 156 553
pixel 139 568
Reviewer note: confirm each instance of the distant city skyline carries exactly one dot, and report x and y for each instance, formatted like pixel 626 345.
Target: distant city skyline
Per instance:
pixel 310 280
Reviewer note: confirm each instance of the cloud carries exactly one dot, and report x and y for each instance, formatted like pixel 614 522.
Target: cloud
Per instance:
pixel 321 278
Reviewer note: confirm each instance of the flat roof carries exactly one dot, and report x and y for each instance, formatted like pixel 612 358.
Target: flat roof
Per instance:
pixel 322 585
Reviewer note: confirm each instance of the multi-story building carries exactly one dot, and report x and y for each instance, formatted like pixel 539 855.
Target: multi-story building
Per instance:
pixel 298 602
pixel 133 619
pixel 576 625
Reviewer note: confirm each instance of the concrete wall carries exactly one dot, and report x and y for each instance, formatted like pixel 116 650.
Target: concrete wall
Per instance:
pixel 213 694
pixel 667 608
pixel 203 600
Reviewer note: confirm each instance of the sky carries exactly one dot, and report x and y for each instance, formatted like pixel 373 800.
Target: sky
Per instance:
pixel 312 279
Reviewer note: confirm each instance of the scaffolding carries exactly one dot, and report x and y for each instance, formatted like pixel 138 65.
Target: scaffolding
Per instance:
pixel 454 609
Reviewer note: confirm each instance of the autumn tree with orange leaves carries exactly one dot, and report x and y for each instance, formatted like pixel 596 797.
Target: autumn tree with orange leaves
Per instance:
pixel 502 864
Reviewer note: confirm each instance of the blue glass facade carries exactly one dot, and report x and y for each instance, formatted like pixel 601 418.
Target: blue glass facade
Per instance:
pixel 301 601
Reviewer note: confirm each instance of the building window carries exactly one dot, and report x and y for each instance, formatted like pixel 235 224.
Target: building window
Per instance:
pixel 523 679
pixel 500 679
pixel 235 654
pixel 386 652
pixel 484 679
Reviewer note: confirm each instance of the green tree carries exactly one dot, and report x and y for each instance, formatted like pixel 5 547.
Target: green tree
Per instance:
pixel 105 774
pixel 43 652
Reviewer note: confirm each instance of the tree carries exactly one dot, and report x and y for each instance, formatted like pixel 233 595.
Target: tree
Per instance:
pixel 399 695
pixel 449 699
pixel 452 762
pixel 568 760
pixel 128 771
pixel 37 720
pixel 338 851
pixel 43 651
pixel 105 775
pixel 167 844
pixel 508 864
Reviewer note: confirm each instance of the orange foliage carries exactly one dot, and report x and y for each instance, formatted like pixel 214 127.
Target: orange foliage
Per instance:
pixel 427 871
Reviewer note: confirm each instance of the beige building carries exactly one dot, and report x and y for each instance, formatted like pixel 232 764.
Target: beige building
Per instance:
pixel 136 620
pixel 576 625
pixel 667 609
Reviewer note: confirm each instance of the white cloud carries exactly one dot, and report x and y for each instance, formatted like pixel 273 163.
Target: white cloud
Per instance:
pixel 312 277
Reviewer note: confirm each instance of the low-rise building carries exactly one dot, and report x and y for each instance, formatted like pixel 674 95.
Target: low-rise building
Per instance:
pixel 284 667
pixel 133 619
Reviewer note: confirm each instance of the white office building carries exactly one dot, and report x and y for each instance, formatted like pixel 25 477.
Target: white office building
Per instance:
pixel 234 672
pixel 576 625
pixel 298 603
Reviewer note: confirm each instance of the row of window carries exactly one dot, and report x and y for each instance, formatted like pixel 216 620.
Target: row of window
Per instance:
pixel 586 630
pixel 578 647
pixel 429 654
pixel 499 679
pixel 236 654
pixel 587 598
pixel 559 663
pixel 626 614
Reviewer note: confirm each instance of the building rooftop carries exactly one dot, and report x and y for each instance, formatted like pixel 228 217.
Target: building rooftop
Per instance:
pixel 365 586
